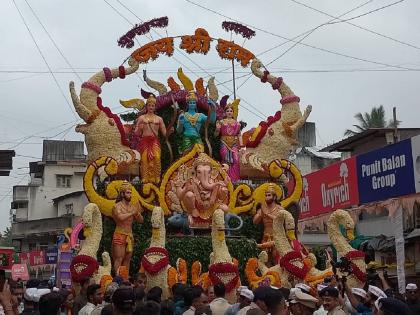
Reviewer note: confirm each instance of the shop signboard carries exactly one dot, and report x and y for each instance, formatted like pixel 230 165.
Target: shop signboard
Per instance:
pixel 386 173
pixel 329 189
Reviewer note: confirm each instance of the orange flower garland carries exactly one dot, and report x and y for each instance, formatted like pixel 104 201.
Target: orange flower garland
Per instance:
pixel 172 277
pixel 123 273
pixel 105 281
pixel 181 266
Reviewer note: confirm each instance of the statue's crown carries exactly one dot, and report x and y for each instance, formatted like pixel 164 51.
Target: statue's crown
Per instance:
pixel 271 188
pixel 125 186
pixel 191 96
pixel 203 159
pixel 151 99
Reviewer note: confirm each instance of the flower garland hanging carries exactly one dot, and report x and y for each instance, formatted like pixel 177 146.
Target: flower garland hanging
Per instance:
pixel 244 31
pixel 258 133
pixel 155 267
pixel 356 271
pixel 287 263
pixel 218 271
pixel 82 266
pixel 140 29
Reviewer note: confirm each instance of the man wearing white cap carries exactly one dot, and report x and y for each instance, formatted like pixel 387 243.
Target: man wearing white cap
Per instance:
pixel 357 298
pixel 301 303
pixel 245 298
pixel 303 287
pixel 412 298
pixel 374 293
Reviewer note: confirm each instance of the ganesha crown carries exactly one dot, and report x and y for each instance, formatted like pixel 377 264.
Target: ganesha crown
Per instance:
pixel 202 159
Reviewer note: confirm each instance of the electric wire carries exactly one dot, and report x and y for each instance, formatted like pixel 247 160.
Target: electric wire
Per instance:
pixel 369 12
pixel 303 44
pixel 43 57
pixel 280 70
pixel 358 26
pixel 53 41
pixel 34 135
pixel 308 33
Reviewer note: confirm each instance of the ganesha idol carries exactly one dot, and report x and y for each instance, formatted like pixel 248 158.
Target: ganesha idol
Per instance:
pixel 200 190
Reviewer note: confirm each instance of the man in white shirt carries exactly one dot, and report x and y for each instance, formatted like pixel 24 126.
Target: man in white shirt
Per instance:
pixel 94 296
pixel 219 305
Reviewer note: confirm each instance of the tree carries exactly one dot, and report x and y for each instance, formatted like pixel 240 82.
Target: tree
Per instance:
pixel 6 237
pixel 375 119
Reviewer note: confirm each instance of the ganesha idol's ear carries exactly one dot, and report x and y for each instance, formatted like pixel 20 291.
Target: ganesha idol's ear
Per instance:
pixel 214 173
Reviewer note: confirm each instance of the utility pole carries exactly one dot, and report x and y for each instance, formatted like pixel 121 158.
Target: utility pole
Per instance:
pixel 234 83
pixel 394 114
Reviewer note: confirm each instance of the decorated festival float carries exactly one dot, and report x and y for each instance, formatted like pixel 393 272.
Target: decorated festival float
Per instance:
pixel 171 185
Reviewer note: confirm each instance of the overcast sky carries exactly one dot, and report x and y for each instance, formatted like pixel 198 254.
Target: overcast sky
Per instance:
pixel 337 83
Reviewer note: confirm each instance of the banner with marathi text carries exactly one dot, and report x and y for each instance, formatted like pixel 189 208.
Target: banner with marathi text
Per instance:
pixel 32 258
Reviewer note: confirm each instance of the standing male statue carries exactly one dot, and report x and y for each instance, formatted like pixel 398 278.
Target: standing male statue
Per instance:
pixel 124 213
pixel 146 133
pixel 265 215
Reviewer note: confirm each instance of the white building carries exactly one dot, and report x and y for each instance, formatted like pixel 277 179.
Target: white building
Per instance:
pixel 53 198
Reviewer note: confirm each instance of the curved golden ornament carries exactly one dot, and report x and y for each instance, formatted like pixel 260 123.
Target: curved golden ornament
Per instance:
pixel 133 103
pixel 277 169
pixel 241 199
pixel 107 203
pixel 186 81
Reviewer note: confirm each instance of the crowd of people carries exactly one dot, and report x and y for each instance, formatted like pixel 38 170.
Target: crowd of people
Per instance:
pixel 119 297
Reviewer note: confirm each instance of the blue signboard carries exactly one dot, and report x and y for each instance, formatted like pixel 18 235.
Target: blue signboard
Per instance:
pixel 51 256
pixel 386 173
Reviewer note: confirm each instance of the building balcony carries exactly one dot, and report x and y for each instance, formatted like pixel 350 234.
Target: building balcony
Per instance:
pixel 21 214
pixel 35 228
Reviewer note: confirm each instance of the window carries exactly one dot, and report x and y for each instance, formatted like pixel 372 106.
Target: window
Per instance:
pixel 64 181
pixel 69 208
pixel 19 204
